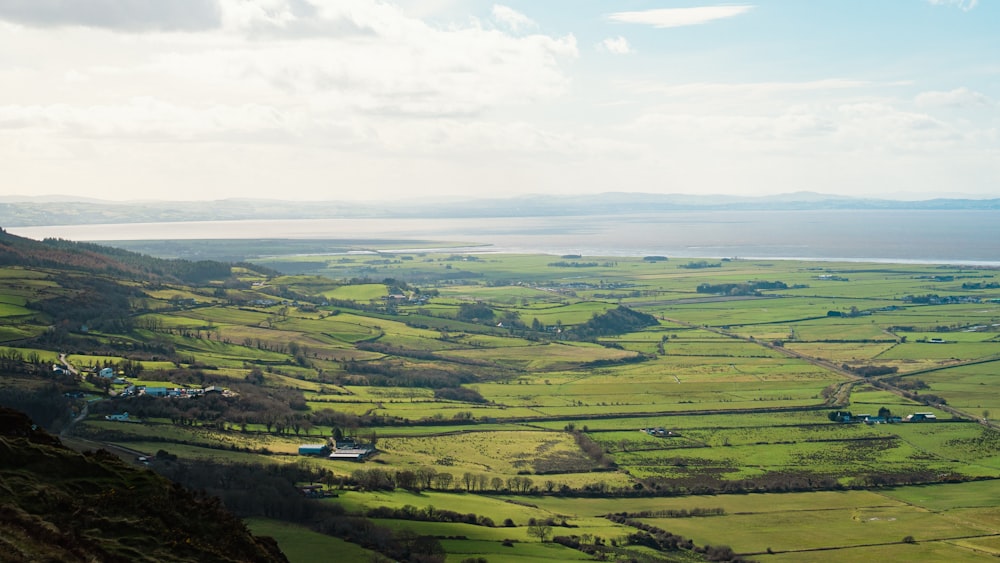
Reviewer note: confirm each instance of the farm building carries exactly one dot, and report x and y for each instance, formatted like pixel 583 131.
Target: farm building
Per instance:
pixel 155 391
pixel 352 451
pixel 659 432
pixel 314 449
pixel 107 373
pixel 123 417
pixel 920 417
pixel 312 491
pixel 352 454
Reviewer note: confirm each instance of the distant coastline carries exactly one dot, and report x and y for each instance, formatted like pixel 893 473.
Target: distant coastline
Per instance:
pixel 26 211
pixel 961 237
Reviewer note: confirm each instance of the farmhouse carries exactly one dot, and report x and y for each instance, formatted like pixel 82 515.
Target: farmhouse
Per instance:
pixel 920 417
pixel 107 373
pixel 123 417
pixel 314 449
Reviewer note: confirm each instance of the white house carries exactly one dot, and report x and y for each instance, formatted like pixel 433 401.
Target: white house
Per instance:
pixel 107 372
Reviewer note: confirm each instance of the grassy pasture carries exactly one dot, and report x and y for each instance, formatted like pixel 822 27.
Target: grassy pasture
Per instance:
pixel 543 357
pixel 302 545
pixel 569 314
pixel 732 504
pixel 941 353
pixel 10 273
pixel 228 315
pixel 195 436
pixel 507 296
pixel 178 293
pixel 497 452
pixel 970 387
pixel 839 459
pixel 859 330
pixel 796 530
pixel 519 552
pixel 704 385
pixel 853 352
pixel 944 550
pixel 44 355
pixel 496 508
pixel 9 310
pixel 949 496
pixel 361 292
pixel 681 421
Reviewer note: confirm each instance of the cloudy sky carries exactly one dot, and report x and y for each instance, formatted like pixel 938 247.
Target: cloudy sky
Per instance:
pixel 365 99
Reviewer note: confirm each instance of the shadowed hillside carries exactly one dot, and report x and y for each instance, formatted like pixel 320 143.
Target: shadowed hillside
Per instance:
pixel 97 259
pixel 60 505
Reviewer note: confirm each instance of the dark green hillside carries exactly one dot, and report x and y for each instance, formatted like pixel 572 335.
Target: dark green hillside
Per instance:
pixel 97 259
pixel 60 505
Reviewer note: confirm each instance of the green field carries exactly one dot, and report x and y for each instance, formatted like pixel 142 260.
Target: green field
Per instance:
pixel 513 375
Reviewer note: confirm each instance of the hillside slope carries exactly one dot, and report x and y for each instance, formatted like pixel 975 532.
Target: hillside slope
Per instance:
pixel 105 260
pixel 60 505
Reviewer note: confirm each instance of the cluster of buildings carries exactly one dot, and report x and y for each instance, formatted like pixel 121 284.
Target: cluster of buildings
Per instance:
pixel 341 449
pixel 172 392
pixel 848 418
pixel 660 432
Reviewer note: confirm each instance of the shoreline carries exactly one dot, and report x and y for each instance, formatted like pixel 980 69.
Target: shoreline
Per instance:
pixel 958 238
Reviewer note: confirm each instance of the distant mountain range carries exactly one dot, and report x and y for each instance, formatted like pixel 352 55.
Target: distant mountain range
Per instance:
pixel 51 210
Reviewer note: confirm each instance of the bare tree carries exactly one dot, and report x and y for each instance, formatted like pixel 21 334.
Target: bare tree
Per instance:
pixel 539 529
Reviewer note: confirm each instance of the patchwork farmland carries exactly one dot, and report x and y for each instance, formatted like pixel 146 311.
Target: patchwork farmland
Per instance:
pixel 617 409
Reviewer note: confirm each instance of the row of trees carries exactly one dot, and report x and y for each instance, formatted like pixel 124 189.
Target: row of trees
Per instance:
pixel 429 478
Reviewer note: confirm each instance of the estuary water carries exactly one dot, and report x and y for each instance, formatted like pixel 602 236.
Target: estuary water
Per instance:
pixel 932 236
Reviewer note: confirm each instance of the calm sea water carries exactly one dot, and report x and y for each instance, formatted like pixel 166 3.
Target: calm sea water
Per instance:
pixel 956 237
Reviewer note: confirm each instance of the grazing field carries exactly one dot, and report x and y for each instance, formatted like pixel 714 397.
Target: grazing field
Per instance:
pixel 302 545
pixel 567 389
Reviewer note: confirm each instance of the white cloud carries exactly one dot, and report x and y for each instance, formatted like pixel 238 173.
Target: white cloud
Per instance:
pixel 417 71
pixel 678 17
pixel 832 129
pixel 512 19
pixel 142 118
pixel 741 89
pixel 374 97
pixel 964 5
pixel 288 72
pixel 616 45
pixel 127 15
pixel 957 98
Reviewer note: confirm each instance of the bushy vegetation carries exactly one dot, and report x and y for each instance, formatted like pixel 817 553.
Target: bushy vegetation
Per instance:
pixel 619 320
pixel 748 288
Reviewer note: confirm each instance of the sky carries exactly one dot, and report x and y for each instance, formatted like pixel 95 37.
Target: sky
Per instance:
pixel 426 99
